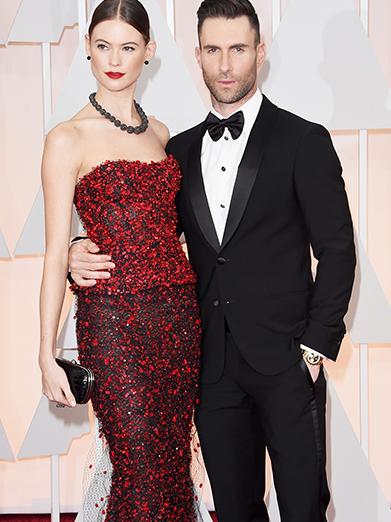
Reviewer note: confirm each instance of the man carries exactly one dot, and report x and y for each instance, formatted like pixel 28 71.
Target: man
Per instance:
pixel 260 187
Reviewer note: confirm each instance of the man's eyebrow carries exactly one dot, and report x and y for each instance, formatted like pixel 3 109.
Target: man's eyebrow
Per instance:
pixel 238 45
pixel 233 46
pixel 126 43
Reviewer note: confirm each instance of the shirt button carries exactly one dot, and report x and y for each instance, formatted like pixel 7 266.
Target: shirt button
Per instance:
pixel 222 206
pixel 216 303
pixel 223 169
pixel 226 138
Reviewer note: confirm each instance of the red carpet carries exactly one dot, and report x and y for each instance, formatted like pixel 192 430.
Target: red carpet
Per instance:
pixel 44 518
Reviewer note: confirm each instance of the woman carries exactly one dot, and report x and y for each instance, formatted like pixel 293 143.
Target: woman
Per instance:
pixel 139 331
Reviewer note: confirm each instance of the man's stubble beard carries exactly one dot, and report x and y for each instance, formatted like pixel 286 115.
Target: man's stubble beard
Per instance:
pixel 243 89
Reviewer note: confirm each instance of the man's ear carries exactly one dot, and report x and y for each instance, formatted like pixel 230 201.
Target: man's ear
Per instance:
pixel 261 54
pixel 197 53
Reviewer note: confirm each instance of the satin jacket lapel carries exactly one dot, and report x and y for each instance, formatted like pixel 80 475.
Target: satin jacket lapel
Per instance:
pixel 249 167
pixel 197 192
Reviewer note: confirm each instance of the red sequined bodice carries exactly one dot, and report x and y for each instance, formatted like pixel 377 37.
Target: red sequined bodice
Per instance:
pixel 128 209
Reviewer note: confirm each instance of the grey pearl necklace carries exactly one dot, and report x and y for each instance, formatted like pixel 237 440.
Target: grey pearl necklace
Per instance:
pixel 118 123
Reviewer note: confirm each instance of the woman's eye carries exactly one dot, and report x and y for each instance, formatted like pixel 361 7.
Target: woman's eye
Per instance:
pixel 102 46
pixel 128 48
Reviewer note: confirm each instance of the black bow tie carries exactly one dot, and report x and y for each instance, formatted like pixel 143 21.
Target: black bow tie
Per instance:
pixel 216 126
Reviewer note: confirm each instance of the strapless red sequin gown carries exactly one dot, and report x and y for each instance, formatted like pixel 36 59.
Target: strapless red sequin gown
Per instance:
pixel 140 333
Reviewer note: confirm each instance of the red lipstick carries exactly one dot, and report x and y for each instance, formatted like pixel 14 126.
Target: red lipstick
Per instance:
pixel 114 75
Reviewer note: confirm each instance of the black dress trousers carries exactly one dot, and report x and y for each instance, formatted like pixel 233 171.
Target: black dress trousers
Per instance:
pixel 243 413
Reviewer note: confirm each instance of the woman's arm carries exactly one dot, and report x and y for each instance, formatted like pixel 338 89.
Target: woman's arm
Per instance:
pixel 60 166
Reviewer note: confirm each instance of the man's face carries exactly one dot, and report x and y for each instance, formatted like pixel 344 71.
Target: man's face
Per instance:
pixel 229 57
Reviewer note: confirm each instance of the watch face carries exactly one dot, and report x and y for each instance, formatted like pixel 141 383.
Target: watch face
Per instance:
pixel 313 358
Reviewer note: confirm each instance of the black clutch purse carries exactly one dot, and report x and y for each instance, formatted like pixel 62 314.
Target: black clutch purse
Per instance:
pixel 81 380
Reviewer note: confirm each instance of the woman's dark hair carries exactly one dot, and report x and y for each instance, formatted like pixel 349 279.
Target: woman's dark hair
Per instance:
pixel 130 11
pixel 229 9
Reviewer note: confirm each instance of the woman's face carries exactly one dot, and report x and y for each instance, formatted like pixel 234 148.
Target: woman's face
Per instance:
pixel 118 52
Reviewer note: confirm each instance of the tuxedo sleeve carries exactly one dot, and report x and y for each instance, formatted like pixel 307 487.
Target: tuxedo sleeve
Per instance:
pixel 321 193
pixel 169 147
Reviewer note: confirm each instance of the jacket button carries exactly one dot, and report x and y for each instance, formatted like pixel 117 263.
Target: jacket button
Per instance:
pixel 221 260
pixel 216 303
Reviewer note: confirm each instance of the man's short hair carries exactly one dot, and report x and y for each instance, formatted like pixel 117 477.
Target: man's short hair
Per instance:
pixel 229 9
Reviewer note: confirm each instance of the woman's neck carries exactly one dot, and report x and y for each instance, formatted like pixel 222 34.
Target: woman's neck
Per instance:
pixel 120 104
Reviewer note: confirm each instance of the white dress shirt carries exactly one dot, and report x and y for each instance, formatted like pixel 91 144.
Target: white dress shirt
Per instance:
pixel 220 161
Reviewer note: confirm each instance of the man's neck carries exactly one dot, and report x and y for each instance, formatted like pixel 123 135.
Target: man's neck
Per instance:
pixel 226 109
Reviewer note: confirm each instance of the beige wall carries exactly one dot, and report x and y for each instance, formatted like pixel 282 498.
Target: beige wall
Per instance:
pixel 21 135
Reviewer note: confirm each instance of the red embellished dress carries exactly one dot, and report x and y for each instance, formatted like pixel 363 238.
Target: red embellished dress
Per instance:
pixel 139 332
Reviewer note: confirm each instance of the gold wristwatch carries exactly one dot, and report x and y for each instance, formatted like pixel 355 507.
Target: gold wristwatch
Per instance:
pixel 312 358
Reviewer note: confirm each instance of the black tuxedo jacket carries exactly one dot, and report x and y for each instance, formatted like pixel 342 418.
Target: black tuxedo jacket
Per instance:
pixel 289 196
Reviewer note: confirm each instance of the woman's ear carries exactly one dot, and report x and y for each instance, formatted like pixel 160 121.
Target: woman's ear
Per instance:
pixel 87 45
pixel 150 50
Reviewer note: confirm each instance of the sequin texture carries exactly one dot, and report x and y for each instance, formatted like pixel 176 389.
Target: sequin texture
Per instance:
pixel 140 334
pixel 128 210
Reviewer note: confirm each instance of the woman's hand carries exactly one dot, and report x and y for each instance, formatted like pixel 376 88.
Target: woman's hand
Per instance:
pixel 55 385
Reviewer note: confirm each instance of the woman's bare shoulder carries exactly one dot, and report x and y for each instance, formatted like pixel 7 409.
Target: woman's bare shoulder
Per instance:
pixel 63 135
pixel 63 147
pixel 160 129
pixel 70 132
